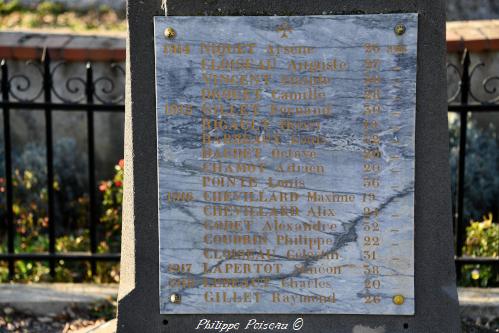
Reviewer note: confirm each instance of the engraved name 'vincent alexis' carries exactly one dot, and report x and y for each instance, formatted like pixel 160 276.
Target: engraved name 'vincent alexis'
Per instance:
pixel 286 164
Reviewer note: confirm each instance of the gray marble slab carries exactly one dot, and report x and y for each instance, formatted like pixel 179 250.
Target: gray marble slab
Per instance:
pixel 340 96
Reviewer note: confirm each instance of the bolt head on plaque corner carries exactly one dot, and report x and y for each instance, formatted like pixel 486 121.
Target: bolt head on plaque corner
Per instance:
pixel 398 299
pixel 170 33
pixel 400 29
pixel 175 298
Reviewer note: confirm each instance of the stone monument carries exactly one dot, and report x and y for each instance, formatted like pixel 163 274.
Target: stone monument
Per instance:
pixel 286 169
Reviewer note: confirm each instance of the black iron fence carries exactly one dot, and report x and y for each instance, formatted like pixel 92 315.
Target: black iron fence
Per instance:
pixel 463 102
pixel 86 98
pixel 471 95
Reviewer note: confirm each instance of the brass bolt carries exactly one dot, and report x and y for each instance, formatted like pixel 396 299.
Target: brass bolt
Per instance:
pixel 400 29
pixel 175 298
pixel 398 299
pixel 170 33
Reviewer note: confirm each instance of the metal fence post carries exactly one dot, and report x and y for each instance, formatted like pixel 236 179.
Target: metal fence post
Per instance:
pixel 460 227
pixel 47 89
pixel 11 101
pixel 8 168
pixel 89 90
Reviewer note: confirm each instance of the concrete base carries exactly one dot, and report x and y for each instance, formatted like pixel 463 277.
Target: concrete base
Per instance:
pixel 108 327
pixel 45 299
pixel 479 303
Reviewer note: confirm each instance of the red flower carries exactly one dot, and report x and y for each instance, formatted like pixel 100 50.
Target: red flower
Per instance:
pixel 2 180
pixel 117 183
pixel 121 163
pixel 2 189
pixel 103 186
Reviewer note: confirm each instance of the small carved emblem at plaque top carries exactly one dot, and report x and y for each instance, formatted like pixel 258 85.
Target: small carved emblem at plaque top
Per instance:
pixel 284 29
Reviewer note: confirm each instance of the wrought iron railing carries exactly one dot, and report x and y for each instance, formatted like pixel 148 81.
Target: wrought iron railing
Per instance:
pixel 91 94
pixel 468 98
pixel 88 94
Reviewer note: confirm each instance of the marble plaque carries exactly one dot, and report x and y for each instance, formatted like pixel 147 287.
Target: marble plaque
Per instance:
pixel 286 163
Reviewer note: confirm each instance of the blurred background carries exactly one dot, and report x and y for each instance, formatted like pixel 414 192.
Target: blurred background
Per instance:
pixel 61 168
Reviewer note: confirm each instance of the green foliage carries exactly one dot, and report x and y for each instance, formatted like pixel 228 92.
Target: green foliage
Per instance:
pixel 112 191
pixel 482 240
pixel 31 222
pixel 55 15
pixel 110 223
pixel 49 7
pixel 8 7
pixel 103 9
